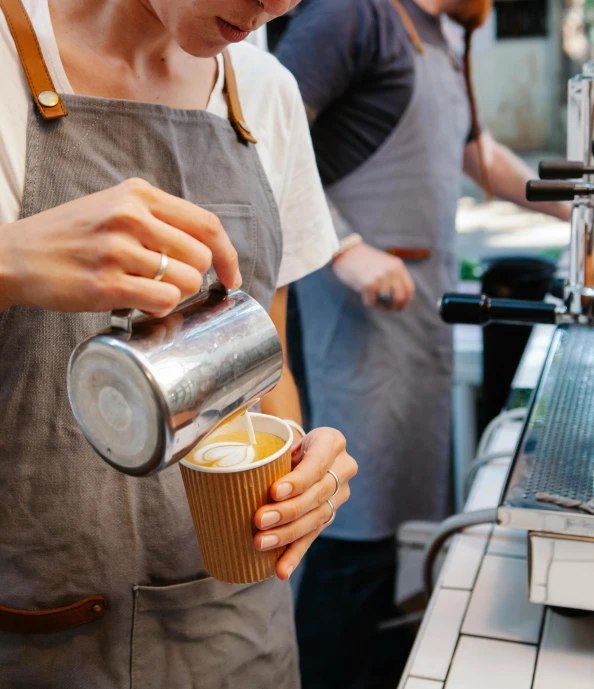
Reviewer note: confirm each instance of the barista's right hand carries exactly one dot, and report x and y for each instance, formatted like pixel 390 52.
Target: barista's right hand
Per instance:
pixel 102 252
pixel 371 272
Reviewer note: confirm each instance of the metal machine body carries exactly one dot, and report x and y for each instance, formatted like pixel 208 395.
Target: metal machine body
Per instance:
pixel 550 489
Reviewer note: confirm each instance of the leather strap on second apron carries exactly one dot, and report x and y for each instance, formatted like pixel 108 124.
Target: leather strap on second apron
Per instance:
pixel 409 26
pixel 51 621
pixel 42 87
pixel 476 130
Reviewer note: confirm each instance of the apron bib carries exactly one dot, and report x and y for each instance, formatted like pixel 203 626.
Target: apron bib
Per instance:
pixel 384 379
pixel 72 527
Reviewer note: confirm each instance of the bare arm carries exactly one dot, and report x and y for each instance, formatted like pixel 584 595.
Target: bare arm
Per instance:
pixel 283 401
pixel 508 174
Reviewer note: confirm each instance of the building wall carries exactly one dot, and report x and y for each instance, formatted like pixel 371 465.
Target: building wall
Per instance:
pixel 519 89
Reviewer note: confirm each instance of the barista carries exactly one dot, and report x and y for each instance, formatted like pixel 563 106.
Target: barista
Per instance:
pixel 393 129
pixel 153 175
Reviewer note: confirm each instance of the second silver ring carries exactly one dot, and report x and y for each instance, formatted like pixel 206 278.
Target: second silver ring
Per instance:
pixel 338 483
pixel 162 267
pixel 333 516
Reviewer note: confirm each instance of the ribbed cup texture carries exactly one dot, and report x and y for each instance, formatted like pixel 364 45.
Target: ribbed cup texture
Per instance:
pixel 223 508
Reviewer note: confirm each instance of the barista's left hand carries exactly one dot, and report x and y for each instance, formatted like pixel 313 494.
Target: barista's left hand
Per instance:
pixel 302 511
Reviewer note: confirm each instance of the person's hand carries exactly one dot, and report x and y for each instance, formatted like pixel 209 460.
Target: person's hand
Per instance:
pixel 102 252
pixel 301 510
pixel 372 273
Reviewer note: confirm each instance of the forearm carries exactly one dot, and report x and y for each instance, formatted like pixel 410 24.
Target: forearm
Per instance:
pixel 283 401
pixel 7 276
pixel 508 174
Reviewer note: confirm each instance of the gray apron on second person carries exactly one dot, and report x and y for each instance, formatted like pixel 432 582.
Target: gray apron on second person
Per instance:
pixel 71 526
pixel 384 379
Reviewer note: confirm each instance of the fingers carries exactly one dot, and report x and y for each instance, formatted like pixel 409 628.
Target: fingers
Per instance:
pixel 320 449
pixel 275 516
pixel 293 555
pixel 202 226
pixel 314 520
pixel 128 292
pixel 138 261
pixel 159 236
pixel 396 284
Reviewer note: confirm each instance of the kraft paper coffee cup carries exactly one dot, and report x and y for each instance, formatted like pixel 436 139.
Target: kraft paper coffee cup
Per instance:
pixel 224 501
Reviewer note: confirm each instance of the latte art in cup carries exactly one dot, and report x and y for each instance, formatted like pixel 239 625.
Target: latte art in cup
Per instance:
pixel 224 455
pixel 233 449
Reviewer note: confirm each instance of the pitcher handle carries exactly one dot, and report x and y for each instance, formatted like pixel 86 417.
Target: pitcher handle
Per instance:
pixel 123 319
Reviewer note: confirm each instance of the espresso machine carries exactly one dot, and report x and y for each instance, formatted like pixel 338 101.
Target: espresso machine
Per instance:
pixel 550 488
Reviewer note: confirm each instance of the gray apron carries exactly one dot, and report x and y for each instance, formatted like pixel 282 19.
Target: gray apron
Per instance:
pixel 384 379
pixel 70 526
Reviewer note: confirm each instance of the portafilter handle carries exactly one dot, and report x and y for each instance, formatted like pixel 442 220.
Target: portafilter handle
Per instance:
pixel 474 309
pixel 563 169
pixel 557 190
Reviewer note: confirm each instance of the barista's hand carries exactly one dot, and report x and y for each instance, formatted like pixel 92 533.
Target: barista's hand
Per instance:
pixel 370 272
pixel 301 511
pixel 102 252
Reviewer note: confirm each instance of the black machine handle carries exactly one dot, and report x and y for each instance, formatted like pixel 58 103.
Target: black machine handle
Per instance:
pixel 563 169
pixel 540 190
pixel 480 310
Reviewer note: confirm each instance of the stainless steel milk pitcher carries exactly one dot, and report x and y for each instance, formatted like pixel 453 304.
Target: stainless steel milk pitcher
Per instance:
pixel 145 392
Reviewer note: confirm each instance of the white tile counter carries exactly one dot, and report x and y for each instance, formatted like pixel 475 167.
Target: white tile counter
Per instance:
pixel 480 630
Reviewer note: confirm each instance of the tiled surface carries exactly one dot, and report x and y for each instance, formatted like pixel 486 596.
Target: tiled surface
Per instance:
pixel 499 607
pixel 423 684
pixel 508 542
pixel 488 664
pixel 440 636
pixel 566 657
pixel 466 554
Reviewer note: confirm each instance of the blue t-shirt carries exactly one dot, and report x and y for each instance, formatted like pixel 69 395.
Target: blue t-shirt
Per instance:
pixel 354 63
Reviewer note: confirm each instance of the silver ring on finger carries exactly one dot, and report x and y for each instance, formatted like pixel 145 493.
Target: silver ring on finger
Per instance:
pixel 162 267
pixel 333 516
pixel 385 299
pixel 338 484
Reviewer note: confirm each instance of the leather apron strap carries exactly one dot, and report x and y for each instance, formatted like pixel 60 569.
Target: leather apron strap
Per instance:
pixel 476 130
pixel 409 26
pixel 52 621
pixel 42 87
pixel 235 113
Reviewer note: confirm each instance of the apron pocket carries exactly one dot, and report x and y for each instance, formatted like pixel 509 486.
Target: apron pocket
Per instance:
pixel 208 635
pixel 241 224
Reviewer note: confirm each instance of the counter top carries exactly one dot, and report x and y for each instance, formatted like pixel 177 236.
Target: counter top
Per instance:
pixel 480 631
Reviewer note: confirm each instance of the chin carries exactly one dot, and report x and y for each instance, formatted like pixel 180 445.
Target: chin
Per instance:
pixel 202 46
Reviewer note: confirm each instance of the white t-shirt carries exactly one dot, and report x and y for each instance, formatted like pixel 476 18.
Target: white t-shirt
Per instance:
pixel 272 107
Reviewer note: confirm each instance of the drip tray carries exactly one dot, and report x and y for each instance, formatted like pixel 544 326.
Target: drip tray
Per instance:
pixel 556 452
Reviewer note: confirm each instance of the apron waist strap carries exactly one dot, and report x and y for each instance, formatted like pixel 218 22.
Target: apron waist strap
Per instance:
pixel 52 621
pixel 409 254
pixel 42 87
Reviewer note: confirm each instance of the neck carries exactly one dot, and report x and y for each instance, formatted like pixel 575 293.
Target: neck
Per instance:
pixel 126 30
